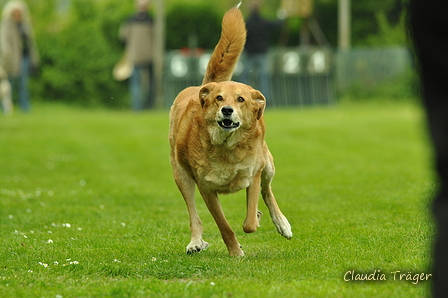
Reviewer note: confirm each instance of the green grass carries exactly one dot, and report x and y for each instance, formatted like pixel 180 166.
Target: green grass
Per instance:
pixel 88 207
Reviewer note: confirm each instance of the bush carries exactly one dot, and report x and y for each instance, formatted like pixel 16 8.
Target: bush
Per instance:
pixel 77 61
pixel 78 58
pixel 183 28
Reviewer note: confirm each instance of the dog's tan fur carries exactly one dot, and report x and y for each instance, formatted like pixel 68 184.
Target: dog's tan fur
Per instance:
pixel 217 142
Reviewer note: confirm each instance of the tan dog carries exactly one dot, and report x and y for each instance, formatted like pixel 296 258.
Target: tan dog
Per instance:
pixel 217 141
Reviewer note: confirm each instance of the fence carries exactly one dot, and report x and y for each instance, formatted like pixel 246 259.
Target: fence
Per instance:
pixel 298 77
pixel 369 67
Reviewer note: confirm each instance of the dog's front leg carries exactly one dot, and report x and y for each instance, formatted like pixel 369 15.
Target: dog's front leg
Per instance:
pixel 186 186
pixel 252 194
pixel 214 206
pixel 280 221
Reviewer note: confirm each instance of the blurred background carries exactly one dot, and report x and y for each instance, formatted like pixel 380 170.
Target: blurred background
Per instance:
pixel 326 50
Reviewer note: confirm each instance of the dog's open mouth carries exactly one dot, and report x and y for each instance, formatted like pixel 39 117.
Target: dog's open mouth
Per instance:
pixel 228 124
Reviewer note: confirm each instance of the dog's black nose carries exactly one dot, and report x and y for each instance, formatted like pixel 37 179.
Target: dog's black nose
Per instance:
pixel 227 111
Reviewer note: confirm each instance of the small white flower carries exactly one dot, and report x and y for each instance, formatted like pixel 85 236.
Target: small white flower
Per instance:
pixel 67 225
pixel 56 262
pixel 10 216
pixel 153 259
pixel 117 261
pixel 43 264
pixel 212 284
pixel 74 263
pixel 49 241
pixel 79 229
pixel 123 224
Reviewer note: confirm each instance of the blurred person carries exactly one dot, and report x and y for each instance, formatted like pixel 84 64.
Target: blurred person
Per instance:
pixel 137 35
pixel 429 29
pixel 5 93
pixel 257 46
pixel 18 49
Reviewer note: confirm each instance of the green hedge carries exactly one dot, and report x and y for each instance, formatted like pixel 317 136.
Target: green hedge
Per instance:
pixel 80 47
pixel 77 60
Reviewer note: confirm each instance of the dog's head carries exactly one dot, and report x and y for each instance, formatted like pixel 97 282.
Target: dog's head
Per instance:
pixel 229 107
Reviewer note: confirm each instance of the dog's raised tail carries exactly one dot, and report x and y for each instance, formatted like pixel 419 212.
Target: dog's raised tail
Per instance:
pixel 227 51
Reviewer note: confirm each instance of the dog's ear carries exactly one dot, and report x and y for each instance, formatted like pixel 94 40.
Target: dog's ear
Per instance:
pixel 259 102
pixel 205 91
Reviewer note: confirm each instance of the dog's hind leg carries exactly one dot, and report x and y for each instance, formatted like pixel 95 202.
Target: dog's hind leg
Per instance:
pixel 253 215
pixel 279 220
pixel 186 186
pixel 214 206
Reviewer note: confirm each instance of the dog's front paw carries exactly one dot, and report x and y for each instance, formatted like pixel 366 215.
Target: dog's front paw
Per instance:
pixel 237 252
pixel 196 246
pixel 283 226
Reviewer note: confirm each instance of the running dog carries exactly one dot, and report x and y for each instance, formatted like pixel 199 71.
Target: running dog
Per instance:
pixel 217 143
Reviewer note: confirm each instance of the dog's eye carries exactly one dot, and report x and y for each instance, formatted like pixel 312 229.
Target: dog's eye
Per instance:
pixel 219 98
pixel 240 99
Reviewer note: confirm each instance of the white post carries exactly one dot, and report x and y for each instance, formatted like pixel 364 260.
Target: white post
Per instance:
pixel 344 23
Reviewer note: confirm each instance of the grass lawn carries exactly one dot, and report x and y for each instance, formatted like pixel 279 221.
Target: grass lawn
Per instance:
pixel 88 207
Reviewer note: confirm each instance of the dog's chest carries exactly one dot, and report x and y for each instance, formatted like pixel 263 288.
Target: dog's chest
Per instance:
pixel 229 178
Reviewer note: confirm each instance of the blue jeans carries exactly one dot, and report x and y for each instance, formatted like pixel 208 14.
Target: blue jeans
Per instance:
pixel 257 64
pixel 142 91
pixel 21 84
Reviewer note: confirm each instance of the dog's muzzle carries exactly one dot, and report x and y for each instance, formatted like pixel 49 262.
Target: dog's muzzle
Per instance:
pixel 227 123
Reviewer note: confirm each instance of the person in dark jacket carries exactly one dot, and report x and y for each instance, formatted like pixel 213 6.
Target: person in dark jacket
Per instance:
pixel 256 49
pixel 429 28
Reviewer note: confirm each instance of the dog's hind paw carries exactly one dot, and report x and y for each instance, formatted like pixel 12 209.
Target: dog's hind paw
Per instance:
pixel 196 246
